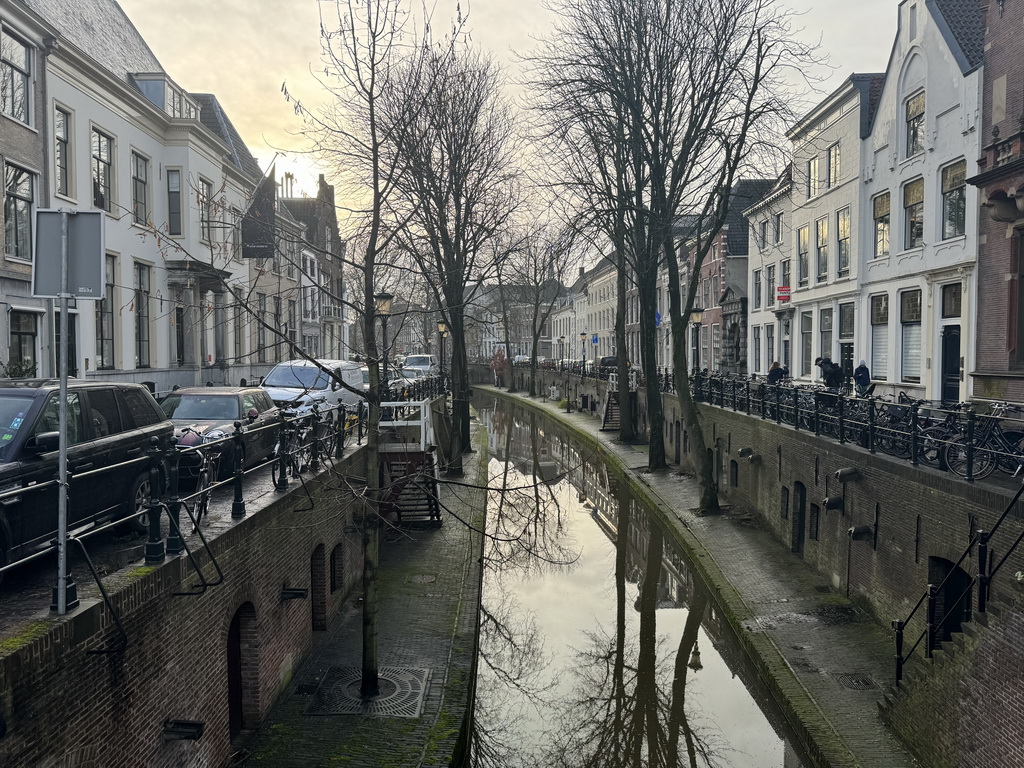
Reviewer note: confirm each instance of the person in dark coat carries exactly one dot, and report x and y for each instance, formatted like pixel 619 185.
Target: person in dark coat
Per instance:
pixel 776 373
pixel 862 380
pixel 830 372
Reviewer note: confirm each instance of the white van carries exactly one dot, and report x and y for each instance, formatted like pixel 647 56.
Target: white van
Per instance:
pixel 300 383
pixel 426 363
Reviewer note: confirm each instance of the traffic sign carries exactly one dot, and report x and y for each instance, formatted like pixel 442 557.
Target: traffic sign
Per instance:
pixel 782 293
pixel 594 340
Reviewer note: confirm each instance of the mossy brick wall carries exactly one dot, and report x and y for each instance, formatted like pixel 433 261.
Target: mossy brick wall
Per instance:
pixel 62 705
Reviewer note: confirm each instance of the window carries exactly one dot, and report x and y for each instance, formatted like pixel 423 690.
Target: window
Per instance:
pixel 762 239
pixel 205 210
pixel 777 227
pixel 24 342
pixel 833 161
pixel 239 332
pixel 716 346
pixel 769 285
pixel 821 247
pixel 910 320
pixel 105 318
pixel 293 321
pixel 261 330
pixel 173 202
pixel 826 333
pixel 803 240
pixel 913 213
pixel 769 342
pixel 880 336
pixel 954 199
pixel 786 275
pixel 15 70
pixel 846 318
pixel 102 170
pixel 277 325
pixel 806 343
pixel 18 194
pixel 756 348
pixel 140 180
pixel 843 242
pixel 915 124
pixel 812 177
pixel 880 206
pixel 62 151
pixel 951 300
pixel 142 285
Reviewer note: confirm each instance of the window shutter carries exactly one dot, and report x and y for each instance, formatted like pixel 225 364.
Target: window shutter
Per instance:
pixel 911 357
pixel 879 351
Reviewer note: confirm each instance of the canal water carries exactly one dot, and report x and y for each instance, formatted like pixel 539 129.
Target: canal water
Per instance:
pixel 599 646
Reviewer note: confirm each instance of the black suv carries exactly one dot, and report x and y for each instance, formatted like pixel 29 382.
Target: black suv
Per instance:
pixel 108 425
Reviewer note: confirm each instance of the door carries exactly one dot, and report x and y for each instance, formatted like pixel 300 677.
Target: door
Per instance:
pixel 846 359
pixel 950 384
pixel 799 513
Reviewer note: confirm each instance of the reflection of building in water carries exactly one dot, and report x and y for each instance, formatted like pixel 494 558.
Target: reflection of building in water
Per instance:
pixel 529 449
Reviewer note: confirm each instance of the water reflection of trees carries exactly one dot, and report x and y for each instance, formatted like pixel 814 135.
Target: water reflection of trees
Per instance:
pixel 623 714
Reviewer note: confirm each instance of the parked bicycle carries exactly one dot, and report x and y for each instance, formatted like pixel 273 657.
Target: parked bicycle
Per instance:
pixel 197 503
pixel 989 448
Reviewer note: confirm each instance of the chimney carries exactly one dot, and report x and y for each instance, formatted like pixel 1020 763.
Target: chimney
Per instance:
pixel 581 271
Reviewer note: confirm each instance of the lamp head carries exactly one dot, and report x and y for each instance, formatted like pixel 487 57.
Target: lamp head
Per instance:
pixel 383 303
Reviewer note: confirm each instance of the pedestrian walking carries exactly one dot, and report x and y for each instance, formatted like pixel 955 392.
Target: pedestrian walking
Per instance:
pixel 830 372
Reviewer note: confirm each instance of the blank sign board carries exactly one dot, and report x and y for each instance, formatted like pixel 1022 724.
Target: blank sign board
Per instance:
pixel 85 255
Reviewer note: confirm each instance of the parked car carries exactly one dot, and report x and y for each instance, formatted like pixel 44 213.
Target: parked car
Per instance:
pixel 300 383
pixel 211 413
pixel 426 363
pixel 108 425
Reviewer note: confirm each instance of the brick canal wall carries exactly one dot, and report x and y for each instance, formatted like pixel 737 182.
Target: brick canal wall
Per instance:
pixel 63 704
pixel 913 524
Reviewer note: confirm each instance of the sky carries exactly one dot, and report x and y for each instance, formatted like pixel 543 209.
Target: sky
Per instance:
pixel 243 50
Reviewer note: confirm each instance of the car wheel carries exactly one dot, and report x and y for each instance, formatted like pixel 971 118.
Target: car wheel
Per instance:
pixel 137 504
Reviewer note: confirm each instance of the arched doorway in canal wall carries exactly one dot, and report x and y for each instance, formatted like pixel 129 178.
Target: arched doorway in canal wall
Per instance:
pixel 953 600
pixel 243 671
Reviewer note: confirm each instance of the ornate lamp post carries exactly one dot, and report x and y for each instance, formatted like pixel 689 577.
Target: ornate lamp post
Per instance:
pixel 383 306
pixel 442 332
pixel 695 318
pixel 583 353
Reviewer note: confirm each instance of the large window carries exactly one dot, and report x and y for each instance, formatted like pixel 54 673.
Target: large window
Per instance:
pixel 105 317
pixel 716 347
pixel 24 343
pixel 757 289
pixel 821 247
pixel 18 193
pixel 173 201
pixel 910 321
pixel 777 227
pixel 843 242
pixel 15 73
pixel 786 276
pixel 826 333
pixel 813 179
pixel 806 343
pixel 880 336
pixel 846 321
pixel 239 333
pixel 62 151
pixel 951 300
pixel 803 245
pixel 140 188
pixel 142 293
pixel 915 124
pixel 756 347
pixel 102 170
pixel 206 210
pixel 769 343
pixel 769 285
pixel 834 169
pixel 880 212
pixel 913 213
pixel 954 199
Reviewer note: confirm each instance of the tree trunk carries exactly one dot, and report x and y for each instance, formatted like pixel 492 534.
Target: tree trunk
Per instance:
pixel 627 431
pixel 656 458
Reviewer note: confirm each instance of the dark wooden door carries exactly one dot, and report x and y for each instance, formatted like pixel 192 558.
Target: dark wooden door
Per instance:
pixel 951 363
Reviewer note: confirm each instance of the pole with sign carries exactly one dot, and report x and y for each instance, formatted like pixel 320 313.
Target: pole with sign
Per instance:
pixel 69 247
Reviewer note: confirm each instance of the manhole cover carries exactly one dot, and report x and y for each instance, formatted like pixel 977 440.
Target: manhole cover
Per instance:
pixel 422 578
pixel 854 681
pixel 401 693
pixel 823 588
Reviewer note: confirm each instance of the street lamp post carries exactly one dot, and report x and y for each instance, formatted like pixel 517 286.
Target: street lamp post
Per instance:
pixel 695 318
pixel 583 353
pixel 561 365
pixel 442 332
pixel 383 305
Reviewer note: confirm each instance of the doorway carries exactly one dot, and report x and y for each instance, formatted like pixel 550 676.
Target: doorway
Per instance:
pixel 243 666
pixel 799 513
pixel 846 359
pixel 953 601
pixel 950 384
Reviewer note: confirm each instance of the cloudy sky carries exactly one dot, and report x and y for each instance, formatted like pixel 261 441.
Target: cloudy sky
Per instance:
pixel 243 50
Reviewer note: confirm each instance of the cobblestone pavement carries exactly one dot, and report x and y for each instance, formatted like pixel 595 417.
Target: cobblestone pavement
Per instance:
pixel 841 660
pixel 428 593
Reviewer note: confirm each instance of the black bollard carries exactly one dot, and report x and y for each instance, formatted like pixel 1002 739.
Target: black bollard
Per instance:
pixel 175 544
pixel 238 505
pixel 155 545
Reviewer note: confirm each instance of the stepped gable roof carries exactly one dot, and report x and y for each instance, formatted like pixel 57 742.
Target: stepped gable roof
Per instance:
pixel 101 29
pixel 212 115
pixel 962 25
pixel 745 193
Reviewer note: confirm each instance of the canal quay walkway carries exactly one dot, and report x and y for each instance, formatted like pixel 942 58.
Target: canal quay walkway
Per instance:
pixel 428 597
pixel 827 661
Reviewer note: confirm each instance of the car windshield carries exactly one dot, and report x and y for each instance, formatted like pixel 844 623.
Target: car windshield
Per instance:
pixel 417 360
pixel 201 407
pixel 297 376
pixel 412 373
pixel 12 417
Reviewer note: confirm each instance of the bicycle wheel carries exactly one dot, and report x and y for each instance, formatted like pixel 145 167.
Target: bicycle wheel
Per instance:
pixel 277 477
pixel 985 461
pixel 302 458
pixel 931 446
pixel 202 499
pixel 328 444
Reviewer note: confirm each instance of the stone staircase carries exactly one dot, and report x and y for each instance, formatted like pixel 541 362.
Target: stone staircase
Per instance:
pixel 610 419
